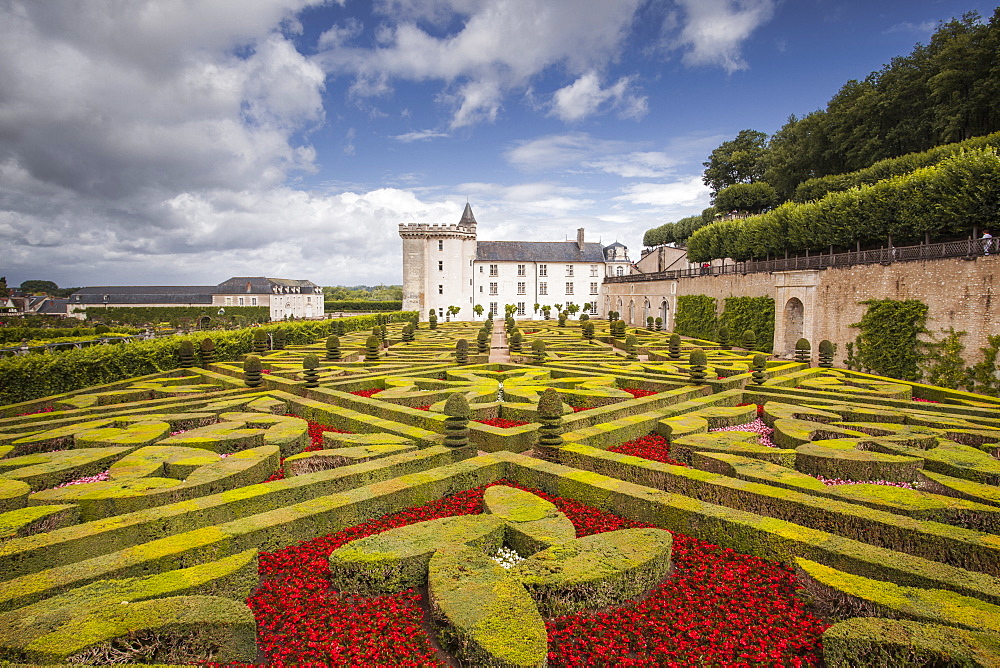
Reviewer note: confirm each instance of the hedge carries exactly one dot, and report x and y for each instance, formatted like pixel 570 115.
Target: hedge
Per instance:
pixel 943 201
pixel 361 305
pixel 754 313
pixel 12 335
pixel 696 317
pixel 886 169
pixel 147 315
pixel 27 377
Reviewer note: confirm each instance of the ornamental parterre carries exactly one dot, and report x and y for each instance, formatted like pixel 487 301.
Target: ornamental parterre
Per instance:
pixel 793 516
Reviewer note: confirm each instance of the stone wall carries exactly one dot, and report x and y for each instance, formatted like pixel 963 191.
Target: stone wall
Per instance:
pixel 959 293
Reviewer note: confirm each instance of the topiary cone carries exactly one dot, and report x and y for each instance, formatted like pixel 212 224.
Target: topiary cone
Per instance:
pixel 309 365
pixel 826 352
pixel 251 371
pixel 515 341
pixel 461 351
pixel 333 347
pixel 550 415
pixel 456 425
pixel 630 344
pixel 482 342
pixel 674 347
pixel 759 365
pixel 538 350
pixel 372 345
pixel 259 341
pixel 749 339
pixel 185 354
pixel 207 351
pixel 802 351
pixel 698 362
pixel 724 338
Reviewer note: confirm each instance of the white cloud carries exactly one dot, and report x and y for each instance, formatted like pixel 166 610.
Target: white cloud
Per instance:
pixel 713 31
pixel 638 164
pixel 501 47
pixel 564 150
pixel 926 28
pixel 419 135
pixel 686 192
pixel 585 97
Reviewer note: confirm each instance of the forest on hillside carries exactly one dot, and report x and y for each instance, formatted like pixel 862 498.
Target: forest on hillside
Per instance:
pixel 943 92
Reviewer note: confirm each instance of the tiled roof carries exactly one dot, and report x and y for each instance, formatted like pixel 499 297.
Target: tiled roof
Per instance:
pixel 538 251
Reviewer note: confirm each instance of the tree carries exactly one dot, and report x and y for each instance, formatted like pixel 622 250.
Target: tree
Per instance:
pixel 740 160
pixel 478 309
pixel 38 287
pixel 4 292
pixel 755 197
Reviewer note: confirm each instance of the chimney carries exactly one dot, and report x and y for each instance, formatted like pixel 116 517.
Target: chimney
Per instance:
pixel 579 238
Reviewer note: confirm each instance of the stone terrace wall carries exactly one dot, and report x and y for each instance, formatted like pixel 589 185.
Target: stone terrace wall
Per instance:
pixel 959 293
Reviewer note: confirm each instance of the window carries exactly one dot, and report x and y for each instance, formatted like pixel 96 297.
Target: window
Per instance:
pixel 440 265
pixel 253 301
pixel 569 288
pixel 493 288
pixel 520 308
pixel 493 270
pixel 229 301
pixel 480 269
pixel 593 308
pixel 620 271
pixel 593 288
pixel 480 288
pixel 543 288
pixel 440 289
pixel 569 270
pixel 593 270
pixel 493 308
pixel 440 245
pixel 240 300
pixel 520 288
pixel 543 270
pixel 520 270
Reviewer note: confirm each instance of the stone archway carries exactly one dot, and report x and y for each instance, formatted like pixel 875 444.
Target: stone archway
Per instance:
pixel 631 312
pixel 645 313
pixel 794 320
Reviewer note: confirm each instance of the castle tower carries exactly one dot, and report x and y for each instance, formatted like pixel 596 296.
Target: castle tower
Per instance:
pixel 437 265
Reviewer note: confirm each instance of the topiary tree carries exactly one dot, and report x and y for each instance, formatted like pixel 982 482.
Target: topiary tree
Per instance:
pixel 550 415
pixel 207 350
pixel 572 308
pixel 278 338
pixel 620 329
pixel 456 425
pixel 759 365
pixel 101 328
pixel 372 346
pixel 659 324
pixel 259 341
pixel 185 354
pixel 333 347
pixel 749 339
pixel 546 311
pixel 674 347
pixel 584 317
pixel 562 319
pixel 309 365
pixel 408 333
pixel 461 351
pixel 538 350
pixel 649 322
pixel 724 338
pixel 252 371
pixel 698 362
pixel 515 340
pixel 478 310
pixel 587 330
pixel 482 342
pixel 384 335
pixel 432 320
pixel 803 351
pixel 826 352
pixel 630 346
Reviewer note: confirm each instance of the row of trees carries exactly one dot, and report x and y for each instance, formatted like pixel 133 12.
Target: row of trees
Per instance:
pixel 943 92
pixel 935 202
pixel 377 293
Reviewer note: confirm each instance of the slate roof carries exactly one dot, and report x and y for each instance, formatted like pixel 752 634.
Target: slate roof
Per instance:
pixel 144 294
pixel 55 307
pixel 262 285
pixel 538 251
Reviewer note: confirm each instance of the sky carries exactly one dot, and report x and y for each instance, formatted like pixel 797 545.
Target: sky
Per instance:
pixel 181 142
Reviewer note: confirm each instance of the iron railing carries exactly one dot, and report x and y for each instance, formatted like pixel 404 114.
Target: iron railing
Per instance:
pixel 968 249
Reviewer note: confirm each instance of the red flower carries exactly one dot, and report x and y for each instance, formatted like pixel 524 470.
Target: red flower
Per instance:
pixel 652 446
pixel 636 392
pixel 366 393
pixel 502 423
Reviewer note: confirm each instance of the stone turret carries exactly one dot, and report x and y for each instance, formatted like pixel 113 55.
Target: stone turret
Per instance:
pixel 437 263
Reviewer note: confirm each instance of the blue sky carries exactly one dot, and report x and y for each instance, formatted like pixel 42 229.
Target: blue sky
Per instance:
pixel 186 141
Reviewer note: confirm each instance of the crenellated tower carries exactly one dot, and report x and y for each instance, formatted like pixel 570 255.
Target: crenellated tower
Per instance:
pixel 437 265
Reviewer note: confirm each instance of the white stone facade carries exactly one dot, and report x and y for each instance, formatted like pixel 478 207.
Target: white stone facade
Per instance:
pixel 445 265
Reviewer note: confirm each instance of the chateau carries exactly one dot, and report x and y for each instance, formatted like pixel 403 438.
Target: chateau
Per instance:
pixel 445 265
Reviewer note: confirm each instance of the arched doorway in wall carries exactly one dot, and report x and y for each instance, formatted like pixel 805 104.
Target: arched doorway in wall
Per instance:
pixel 620 308
pixel 794 316
pixel 631 312
pixel 664 312
pixel 645 313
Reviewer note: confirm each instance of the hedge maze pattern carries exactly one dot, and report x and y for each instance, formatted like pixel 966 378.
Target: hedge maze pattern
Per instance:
pixel 179 496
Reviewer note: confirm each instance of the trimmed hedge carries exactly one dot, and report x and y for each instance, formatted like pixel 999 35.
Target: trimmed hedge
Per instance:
pixel 361 305
pixel 696 317
pixel 753 313
pixel 14 335
pixel 27 377
pixel 146 315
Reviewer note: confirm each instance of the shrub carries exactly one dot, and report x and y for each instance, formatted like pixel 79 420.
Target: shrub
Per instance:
pixel 723 336
pixel 259 341
pixel 252 371
pixel 482 342
pixel 674 347
pixel 802 351
pixel 759 365
pixel 207 351
pixel 889 341
pixel 461 351
pixel 309 365
pixel 698 362
pixel 333 347
pixel 185 354
pixel 749 340
pixel 372 346
pixel 757 313
pixel 826 352
pixel 538 350
pixel 696 317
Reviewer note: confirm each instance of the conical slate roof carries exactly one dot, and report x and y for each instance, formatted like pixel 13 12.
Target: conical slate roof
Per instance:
pixel 467 217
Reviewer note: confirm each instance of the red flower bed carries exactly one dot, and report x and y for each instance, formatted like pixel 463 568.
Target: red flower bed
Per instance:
pixel 636 392
pixel 653 447
pixel 366 393
pixel 926 401
pixel 40 410
pixel 577 409
pixel 315 443
pixel 719 607
pixel 502 423
pixel 423 408
pixel 760 408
